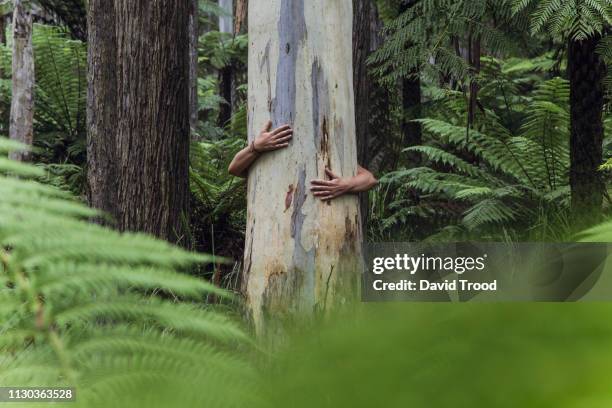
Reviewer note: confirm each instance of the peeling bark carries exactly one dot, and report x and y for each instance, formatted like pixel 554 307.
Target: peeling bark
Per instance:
pixel 22 103
pixel 302 256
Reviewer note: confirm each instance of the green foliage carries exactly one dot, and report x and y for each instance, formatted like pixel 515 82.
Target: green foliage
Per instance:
pixel 60 103
pixel 112 314
pixel 218 218
pixel 445 355
pixel 576 19
pixel 492 184
pixel 598 233
pixel 432 36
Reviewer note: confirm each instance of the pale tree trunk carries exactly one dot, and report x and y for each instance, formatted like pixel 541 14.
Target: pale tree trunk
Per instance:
pixel 226 73
pixel 22 103
pixel 102 158
pixel 226 21
pixel 153 116
pixel 193 65
pixel 302 256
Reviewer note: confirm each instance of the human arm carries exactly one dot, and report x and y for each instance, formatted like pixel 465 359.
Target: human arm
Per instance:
pixel 267 141
pixel 337 186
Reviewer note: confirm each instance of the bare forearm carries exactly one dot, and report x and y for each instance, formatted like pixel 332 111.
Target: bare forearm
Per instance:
pixel 337 186
pixel 266 141
pixel 242 161
pixel 363 181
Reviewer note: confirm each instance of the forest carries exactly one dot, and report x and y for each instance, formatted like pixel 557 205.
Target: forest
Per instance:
pixel 137 269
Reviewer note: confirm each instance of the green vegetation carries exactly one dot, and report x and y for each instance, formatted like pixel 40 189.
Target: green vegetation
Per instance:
pixel 114 315
pixel 131 320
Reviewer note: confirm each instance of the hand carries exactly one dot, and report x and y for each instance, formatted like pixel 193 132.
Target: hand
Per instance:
pixel 273 140
pixel 329 189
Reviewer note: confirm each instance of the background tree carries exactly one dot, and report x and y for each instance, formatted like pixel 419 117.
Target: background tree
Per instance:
pixel 22 103
pixel 102 153
pixel 71 13
pixel 226 72
pixel 301 255
pixel 153 116
pixel 194 37
pixel 582 23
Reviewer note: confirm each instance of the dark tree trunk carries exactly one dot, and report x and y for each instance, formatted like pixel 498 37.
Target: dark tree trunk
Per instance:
pixel 72 13
pixel 153 115
pixel 101 108
pixel 361 80
pixel 226 74
pixel 586 71
pixel 194 35
pixel 364 31
pixel 225 90
pixel 411 105
pixel 474 57
pixel 2 30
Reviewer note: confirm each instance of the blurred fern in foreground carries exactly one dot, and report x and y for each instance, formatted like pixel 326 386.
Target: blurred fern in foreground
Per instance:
pixel 109 313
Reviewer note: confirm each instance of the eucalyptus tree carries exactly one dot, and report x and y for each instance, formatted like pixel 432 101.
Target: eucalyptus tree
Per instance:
pixel 302 256
pixel 583 24
pixel 21 126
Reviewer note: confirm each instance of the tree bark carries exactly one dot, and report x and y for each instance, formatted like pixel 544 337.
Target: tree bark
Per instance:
pixel 22 103
pixel 411 106
pixel 194 36
pixel 2 30
pixel 240 16
pixel 302 256
pixel 365 31
pixel 586 71
pixel 102 157
pixel 153 115
pixel 361 80
pixel 72 13
pixel 226 73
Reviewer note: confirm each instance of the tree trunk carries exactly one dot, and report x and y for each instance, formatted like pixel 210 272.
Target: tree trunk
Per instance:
pixel 474 57
pixel 586 71
pixel 380 123
pixel 153 115
pixel 226 73
pixel 194 36
pixel 240 16
pixel 302 256
pixel 361 80
pixel 411 106
pixel 102 158
pixel 22 103
pixel 365 29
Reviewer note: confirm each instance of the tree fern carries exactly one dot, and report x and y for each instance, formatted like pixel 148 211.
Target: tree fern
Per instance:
pixel 421 39
pixel 578 19
pixel 494 180
pixel 108 313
